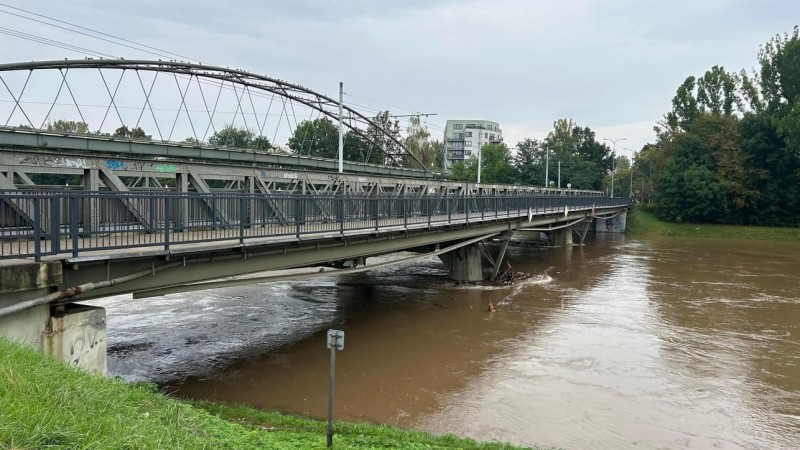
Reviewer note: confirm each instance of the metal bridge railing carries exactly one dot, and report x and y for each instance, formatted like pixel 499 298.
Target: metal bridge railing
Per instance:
pixel 40 223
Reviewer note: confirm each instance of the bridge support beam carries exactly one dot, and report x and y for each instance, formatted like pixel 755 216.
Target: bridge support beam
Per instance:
pixel 73 334
pixel 464 264
pixel 561 237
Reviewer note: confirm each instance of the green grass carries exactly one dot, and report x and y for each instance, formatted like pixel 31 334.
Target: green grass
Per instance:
pixel 644 224
pixel 47 405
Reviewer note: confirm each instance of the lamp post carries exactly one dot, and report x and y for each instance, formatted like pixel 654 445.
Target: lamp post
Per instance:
pixel 614 161
pixel 479 165
pixel 633 155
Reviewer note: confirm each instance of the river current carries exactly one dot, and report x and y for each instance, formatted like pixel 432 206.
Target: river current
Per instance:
pixel 620 343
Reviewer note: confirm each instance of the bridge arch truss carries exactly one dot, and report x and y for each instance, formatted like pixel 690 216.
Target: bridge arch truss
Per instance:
pixel 177 97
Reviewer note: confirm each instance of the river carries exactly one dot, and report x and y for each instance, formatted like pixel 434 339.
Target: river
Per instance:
pixel 621 343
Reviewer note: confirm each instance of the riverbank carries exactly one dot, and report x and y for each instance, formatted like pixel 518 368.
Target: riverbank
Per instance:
pixel 641 223
pixel 45 404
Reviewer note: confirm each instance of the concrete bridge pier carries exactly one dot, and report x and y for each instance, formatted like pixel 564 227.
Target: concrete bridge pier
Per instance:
pixel 561 237
pixel 464 264
pixel 74 334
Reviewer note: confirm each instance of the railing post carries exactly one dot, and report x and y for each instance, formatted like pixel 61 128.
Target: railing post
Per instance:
pixel 37 228
pixel 167 220
pixel 405 210
pixel 55 225
pixel 242 214
pixel 377 203
pixel 466 206
pixel 73 223
pixel 298 206
pixel 449 212
pixel 428 207
pixel 341 213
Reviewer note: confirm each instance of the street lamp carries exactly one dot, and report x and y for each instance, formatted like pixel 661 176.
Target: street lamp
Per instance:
pixel 633 155
pixel 614 161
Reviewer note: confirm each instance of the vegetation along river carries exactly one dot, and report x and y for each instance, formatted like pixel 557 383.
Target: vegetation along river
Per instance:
pixel 660 343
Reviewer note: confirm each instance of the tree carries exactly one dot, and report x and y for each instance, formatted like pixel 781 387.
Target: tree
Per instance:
pixel 318 137
pixel 68 126
pixel 528 162
pixel 496 164
pixel 418 143
pixel 231 136
pixel 384 134
pixel 465 171
pixel 136 133
pixel 357 148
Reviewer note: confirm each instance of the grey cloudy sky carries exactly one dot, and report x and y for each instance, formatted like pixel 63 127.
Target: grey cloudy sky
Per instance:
pixel 610 65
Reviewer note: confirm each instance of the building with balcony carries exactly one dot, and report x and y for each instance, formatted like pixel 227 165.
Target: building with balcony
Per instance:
pixel 463 139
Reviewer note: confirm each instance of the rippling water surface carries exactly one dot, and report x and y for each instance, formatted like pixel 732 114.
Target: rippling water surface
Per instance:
pixel 616 344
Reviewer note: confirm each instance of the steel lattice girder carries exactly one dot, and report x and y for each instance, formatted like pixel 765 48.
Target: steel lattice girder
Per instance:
pixel 308 97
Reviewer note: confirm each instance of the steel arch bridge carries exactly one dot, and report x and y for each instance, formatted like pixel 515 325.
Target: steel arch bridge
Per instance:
pixel 179 97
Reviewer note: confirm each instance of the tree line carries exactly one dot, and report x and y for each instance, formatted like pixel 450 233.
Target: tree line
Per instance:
pixel 318 137
pixel 729 150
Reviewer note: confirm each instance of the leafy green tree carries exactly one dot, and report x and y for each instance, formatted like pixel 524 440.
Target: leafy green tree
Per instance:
pixel 231 136
pixel 418 143
pixel 465 171
pixel 318 137
pixel 528 162
pixel 357 148
pixel 384 134
pixel 125 132
pixel 496 164
pixel 68 126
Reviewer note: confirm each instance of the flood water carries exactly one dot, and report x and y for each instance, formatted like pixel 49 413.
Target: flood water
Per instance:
pixel 620 343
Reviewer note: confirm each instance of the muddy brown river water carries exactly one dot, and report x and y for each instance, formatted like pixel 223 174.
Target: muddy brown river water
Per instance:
pixel 621 343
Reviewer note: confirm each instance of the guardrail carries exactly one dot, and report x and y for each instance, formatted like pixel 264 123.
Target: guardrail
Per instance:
pixel 40 223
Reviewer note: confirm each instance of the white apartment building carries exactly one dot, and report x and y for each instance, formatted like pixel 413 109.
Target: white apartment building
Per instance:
pixel 463 139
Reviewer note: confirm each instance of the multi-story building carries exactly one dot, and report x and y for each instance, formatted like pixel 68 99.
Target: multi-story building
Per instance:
pixel 463 139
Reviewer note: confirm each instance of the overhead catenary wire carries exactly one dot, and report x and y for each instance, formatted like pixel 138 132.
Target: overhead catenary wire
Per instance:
pixel 100 32
pixel 116 40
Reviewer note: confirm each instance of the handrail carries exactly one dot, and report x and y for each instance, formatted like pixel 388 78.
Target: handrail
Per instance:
pixel 48 222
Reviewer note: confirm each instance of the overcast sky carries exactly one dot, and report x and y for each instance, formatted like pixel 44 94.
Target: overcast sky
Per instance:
pixel 610 65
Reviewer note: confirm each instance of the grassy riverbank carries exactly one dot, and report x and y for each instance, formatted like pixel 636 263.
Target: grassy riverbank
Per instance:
pixel 44 404
pixel 643 223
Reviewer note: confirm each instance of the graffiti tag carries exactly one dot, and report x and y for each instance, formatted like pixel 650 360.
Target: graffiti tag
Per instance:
pixel 163 168
pixel 54 161
pixel 115 164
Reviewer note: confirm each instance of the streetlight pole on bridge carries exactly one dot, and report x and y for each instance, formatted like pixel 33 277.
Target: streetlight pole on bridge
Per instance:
pixel 633 155
pixel 614 161
pixel 341 133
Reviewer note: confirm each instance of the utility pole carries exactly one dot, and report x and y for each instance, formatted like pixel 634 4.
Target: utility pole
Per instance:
pixel 479 165
pixel 559 174
pixel 341 132
pixel 614 161
pixel 633 155
pixel 547 168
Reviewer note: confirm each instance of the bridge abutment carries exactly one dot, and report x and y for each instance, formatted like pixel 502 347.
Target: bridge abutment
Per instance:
pixel 614 224
pixel 464 264
pixel 74 334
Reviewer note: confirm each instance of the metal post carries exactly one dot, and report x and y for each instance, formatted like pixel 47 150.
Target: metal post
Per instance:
pixel 547 168
pixel 55 225
pixel 341 133
pixel 167 220
pixel 479 165
pixel 331 387
pixel 335 341
pixel 613 171
pixel 614 161
pixel 37 229
pixel 73 223
pixel 559 174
